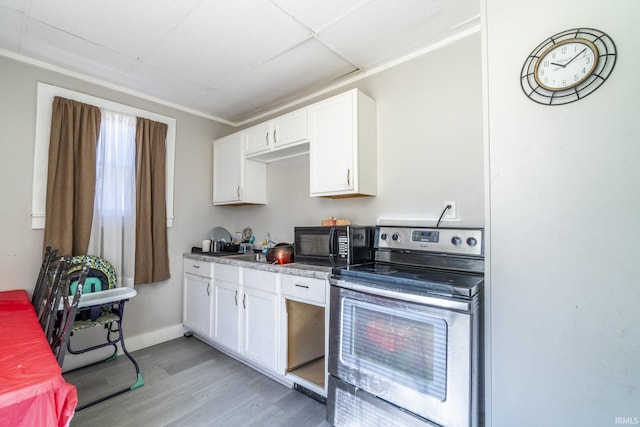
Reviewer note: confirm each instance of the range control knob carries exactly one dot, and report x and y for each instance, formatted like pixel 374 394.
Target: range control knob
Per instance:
pixel 456 241
pixel 471 241
pixel 395 237
pixel 384 236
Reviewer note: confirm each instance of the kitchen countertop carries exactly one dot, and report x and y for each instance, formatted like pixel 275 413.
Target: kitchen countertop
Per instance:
pixel 298 269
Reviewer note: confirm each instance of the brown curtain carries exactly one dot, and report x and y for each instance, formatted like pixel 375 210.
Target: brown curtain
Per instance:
pixel 152 256
pixel 71 176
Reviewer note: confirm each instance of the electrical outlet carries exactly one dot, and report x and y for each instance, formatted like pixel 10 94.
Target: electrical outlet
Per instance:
pixel 451 212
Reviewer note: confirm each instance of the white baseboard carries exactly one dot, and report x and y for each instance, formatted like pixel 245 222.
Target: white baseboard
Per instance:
pixel 133 343
pixel 138 342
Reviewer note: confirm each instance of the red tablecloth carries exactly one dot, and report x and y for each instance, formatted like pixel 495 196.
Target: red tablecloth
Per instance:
pixel 32 390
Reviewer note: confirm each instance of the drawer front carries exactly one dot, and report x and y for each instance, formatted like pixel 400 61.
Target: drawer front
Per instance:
pixel 228 273
pixel 199 268
pixel 258 279
pixel 305 288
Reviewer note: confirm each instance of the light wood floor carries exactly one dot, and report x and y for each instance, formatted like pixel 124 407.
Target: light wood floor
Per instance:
pixel 189 383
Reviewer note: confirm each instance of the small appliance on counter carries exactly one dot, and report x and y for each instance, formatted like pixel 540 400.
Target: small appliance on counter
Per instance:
pixel 282 253
pixel 333 245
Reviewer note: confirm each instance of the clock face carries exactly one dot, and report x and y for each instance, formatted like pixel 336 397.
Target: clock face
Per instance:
pixel 568 66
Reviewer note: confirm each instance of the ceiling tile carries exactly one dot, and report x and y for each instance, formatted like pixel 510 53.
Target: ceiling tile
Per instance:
pixel 308 66
pixel 10 28
pixel 385 29
pixel 221 39
pixel 153 81
pixel 317 15
pixel 13 4
pixel 59 48
pixel 220 105
pixel 130 27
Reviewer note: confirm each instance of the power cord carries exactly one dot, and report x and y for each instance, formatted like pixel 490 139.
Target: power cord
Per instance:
pixel 446 208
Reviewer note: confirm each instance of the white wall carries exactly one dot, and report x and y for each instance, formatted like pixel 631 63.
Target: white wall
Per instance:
pixel 564 229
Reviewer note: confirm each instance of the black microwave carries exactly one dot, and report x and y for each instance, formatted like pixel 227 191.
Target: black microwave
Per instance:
pixel 333 245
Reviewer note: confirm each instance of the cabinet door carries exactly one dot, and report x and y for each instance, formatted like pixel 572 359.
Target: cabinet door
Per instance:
pixel 259 337
pixel 226 314
pixel 227 169
pixel 332 136
pixel 197 304
pixel 235 179
pixel 257 138
pixel 290 128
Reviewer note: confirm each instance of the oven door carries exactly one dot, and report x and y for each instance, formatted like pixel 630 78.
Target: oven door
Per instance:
pixel 414 355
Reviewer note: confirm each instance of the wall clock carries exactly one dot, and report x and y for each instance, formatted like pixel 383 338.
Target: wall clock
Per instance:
pixel 568 66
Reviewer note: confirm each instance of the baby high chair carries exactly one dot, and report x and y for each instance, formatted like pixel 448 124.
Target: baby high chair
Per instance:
pixel 102 304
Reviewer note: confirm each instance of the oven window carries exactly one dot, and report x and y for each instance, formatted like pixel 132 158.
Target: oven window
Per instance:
pixel 404 346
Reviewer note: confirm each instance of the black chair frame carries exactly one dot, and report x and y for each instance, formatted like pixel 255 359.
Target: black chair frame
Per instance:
pixel 111 317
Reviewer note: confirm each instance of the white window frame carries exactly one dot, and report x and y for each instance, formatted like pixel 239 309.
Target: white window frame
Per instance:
pixel 46 93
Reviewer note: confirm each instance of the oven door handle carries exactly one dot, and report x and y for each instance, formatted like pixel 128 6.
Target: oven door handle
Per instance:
pixel 439 302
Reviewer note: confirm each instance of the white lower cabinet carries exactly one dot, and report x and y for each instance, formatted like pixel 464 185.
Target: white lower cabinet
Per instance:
pixel 226 312
pixel 259 327
pixel 272 321
pixel 305 319
pixel 245 313
pixel 260 317
pixel 198 296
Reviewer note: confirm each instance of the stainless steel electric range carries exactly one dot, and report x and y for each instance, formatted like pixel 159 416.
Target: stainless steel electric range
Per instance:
pixel 406 331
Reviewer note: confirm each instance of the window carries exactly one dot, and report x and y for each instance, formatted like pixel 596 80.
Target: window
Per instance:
pixel 113 228
pixel 46 93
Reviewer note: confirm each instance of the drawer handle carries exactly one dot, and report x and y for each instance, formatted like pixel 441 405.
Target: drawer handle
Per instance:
pixel 196 266
pixel 302 286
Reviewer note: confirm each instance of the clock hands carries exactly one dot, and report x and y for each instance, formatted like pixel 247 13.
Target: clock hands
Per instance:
pixel 571 60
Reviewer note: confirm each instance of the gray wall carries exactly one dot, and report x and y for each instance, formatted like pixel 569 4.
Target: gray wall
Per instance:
pixel 157 305
pixel 429 150
pixel 564 230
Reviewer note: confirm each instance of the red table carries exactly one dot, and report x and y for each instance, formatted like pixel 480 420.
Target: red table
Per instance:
pixel 32 390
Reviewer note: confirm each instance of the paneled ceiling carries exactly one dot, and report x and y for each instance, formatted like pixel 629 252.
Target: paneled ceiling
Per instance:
pixel 227 59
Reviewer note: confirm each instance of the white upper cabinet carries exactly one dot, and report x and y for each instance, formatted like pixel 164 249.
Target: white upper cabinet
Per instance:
pixel 342 146
pixel 280 138
pixel 235 179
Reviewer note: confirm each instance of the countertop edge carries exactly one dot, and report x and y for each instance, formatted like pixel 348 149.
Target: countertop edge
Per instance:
pixel 304 270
